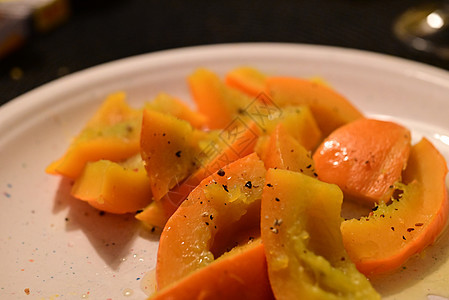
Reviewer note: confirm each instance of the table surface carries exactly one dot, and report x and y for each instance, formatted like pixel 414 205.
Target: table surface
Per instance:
pixel 99 31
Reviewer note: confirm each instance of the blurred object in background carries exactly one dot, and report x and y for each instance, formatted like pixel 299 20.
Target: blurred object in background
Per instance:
pixel 19 19
pixel 426 28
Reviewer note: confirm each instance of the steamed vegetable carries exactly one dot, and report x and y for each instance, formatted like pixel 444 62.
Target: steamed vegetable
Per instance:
pixel 248 187
pixel 383 241
pixel 300 225
pixel 365 158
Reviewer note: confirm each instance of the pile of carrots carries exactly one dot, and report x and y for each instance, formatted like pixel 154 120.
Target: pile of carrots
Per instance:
pixel 248 187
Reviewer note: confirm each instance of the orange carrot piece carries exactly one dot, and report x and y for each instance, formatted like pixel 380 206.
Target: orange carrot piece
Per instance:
pixel 299 122
pixel 330 109
pixel 364 158
pixel 240 274
pixel 112 133
pixel 220 203
pixel 385 240
pixel 169 147
pixel 283 151
pixel 300 228
pixel 114 187
pixel 246 79
pixel 240 144
pixel 218 102
pixel 165 103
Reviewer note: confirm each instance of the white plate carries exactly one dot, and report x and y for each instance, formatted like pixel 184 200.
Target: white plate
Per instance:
pixel 58 247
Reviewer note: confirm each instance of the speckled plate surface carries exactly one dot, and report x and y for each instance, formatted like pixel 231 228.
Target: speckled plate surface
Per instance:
pixel 55 247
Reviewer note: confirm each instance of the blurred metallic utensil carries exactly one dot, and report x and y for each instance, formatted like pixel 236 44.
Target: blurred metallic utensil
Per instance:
pixel 425 28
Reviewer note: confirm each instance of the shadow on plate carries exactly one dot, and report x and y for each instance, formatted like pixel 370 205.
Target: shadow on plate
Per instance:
pixel 111 235
pixel 420 268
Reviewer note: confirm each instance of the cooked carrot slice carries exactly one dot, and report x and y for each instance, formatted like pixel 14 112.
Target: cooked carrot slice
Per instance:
pixel 246 79
pixel 167 104
pixel 221 212
pixel 218 102
pixel 330 109
pixel 364 158
pixel 112 133
pixel 383 241
pixel 283 151
pixel 238 274
pixel 169 147
pixel 239 143
pixel 300 227
pixel 114 187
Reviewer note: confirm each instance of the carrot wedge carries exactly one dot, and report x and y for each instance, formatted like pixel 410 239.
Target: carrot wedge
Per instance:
pixel 217 101
pixel 168 104
pixel 114 187
pixel 239 274
pixel 246 79
pixel 240 144
pixel 330 109
pixel 385 240
pixel 112 133
pixel 198 232
pixel 169 147
pixel 284 152
pixel 300 228
pixel 364 158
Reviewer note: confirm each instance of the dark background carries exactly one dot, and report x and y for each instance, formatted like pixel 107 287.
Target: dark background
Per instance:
pixel 102 31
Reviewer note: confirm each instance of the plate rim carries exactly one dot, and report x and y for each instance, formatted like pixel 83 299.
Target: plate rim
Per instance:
pixel 27 101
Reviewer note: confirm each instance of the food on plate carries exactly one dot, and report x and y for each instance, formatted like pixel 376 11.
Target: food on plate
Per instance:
pixel 298 121
pixel 231 146
pixel 170 148
pixel 221 212
pixel 330 109
pixel 365 158
pixel 105 151
pixel 384 240
pixel 246 79
pixel 116 187
pixel 283 151
pixel 214 99
pixel 168 104
pixel 300 225
pixel 248 188
pixel 113 133
pixel 240 273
